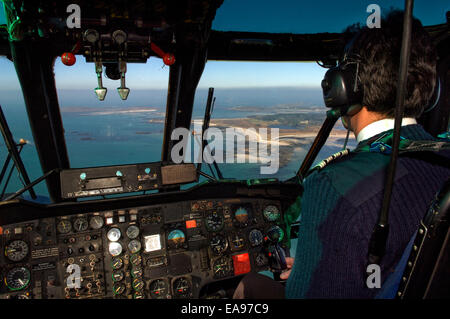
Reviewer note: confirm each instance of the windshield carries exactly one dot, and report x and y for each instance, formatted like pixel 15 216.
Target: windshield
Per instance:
pixel 293 16
pixel 285 98
pixel 113 131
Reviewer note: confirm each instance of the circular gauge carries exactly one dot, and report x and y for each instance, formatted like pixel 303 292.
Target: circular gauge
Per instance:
pixel 271 213
pixel 158 289
pixel 117 275
pixel 181 288
pixel 241 215
pixel 218 244
pixel 117 263
pixel 214 222
pixel 261 260
pixel 80 224
pixel 138 295
pixel 275 234
pixel 18 278
pixel 16 250
pixel 114 234
pixel 118 288
pixel 64 226
pixel 138 284
pixel 96 222
pixel 237 241
pixel 115 248
pixel 132 232
pixel 176 238
pixel 134 246
pixel 223 267
pixel 136 260
pixel 136 272
pixel 255 237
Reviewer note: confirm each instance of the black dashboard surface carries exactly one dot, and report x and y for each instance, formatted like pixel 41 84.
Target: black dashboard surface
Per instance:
pixel 168 249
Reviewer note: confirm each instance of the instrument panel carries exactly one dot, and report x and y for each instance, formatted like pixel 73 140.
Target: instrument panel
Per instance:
pixel 167 251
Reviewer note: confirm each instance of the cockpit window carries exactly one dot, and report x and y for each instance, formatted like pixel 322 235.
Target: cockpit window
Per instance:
pixel 13 106
pixel 255 98
pixel 112 131
pixel 292 16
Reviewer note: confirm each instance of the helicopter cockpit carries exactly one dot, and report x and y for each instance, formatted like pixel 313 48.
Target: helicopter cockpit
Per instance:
pixel 164 229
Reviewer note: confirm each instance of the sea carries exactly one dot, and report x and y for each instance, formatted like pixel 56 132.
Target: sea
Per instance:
pixel 114 132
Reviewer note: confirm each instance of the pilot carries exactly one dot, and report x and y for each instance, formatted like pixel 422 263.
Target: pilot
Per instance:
pixel 342 197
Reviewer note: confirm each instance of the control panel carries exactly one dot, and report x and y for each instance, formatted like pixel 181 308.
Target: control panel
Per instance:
pixel 160 251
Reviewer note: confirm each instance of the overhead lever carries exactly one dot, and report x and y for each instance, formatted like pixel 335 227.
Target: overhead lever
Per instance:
pixel 100 91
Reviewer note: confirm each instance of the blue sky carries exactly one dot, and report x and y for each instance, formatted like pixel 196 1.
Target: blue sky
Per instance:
pixel 249 15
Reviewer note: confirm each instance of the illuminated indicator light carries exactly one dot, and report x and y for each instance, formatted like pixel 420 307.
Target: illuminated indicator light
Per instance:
pixel 241 264
pixel 191 223
pixel 1 230
pixel 147 171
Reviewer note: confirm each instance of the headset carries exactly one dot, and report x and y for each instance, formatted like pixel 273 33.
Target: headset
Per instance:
pixel 341 86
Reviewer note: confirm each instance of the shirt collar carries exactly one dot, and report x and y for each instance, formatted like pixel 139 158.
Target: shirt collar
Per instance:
pixel 381 126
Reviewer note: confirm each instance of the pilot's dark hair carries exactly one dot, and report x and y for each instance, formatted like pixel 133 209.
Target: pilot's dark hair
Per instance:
pixel 379 51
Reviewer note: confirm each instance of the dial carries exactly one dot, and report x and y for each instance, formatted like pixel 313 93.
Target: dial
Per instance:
pixel 136 260
pixel 114 234
pixel 138 284
pixel 271 213
pixel 16 250
pixel 176 238
pixel 275 234
pixel 118 288
pixel 181 288
pixel 136 272
pixel 18 278
pixel 214 221
pixel 241 215
pixel 223 267
pixel 218 244
pixel 117 275
pixel 117 263
pixel 158 289
pixel 115 248
pixel 80 224
pixel 237 241
pixel 96 222
pixel 134 246
pixel 132 232
pixel 138 295
pixel 64 226
pixel 255 237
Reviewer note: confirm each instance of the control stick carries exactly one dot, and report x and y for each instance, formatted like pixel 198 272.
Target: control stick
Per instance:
pixel 276 253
